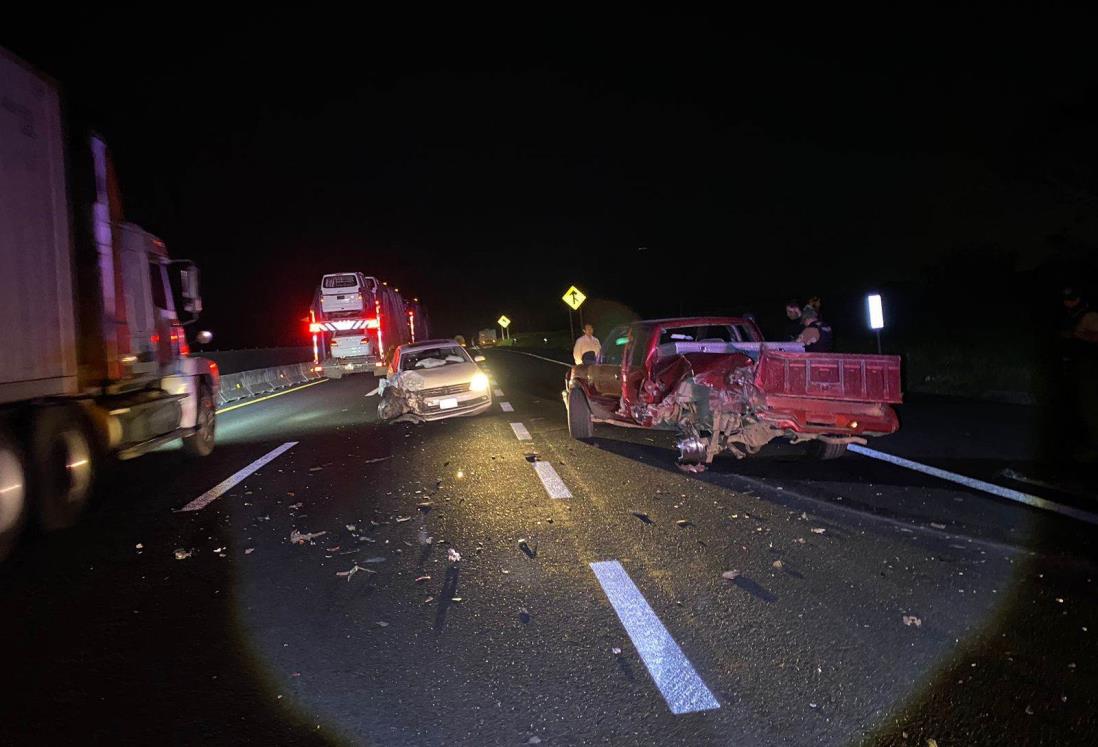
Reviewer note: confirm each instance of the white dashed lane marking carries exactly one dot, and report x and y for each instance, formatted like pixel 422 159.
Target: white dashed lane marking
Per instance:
pixel 506 407
pixel 229 483
pixel 520 431
pixel 672 672
pixel 497 392
pixel 554 486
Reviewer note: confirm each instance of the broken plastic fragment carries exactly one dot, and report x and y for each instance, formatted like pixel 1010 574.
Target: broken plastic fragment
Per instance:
pixel 428 600
pixel 374 560
pixel 459 600
pixel 730 575
pixel 295 506
pixel 910 620
pixel 683 523
pixel 402 519
pixel 249 551
pixel 181 554
pixel 616 651
pixel 818 530
pixel 778 564
pixel 381 624
pixel 421 579
pixel 453 555
pixel 642 516
pixel 525 547
pixel 139 546
pixel 299 538
pixel 351 527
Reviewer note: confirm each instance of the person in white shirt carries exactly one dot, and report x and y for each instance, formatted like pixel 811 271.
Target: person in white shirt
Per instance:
pixel 587 343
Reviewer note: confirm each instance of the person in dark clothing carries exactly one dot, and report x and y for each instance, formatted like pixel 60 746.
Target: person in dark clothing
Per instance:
pixel 1079 359
pixel 815 333
pixel 794 328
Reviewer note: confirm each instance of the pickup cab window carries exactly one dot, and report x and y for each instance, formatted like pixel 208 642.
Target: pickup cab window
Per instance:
pixel 614 347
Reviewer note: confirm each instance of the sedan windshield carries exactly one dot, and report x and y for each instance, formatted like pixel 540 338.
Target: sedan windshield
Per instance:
pixel 432 358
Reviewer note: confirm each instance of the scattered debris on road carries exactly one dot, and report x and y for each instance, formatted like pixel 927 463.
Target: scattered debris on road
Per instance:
pixel 379 459
pixel 425 506
pixel 818 530
pixel 421 579
pixel 910 620
pixel 382 624
pixel 683 523
pixel 374 560
pixel 348 574
pixel 181 554
pixel 315 469
pixel 615 651
pixel 351 528
pixel 299 538
pixel 453 555
pixel 139 546
pixel 642 516
pixel 525 547
pixel 249 550
pixel 524 616
pixel 428 600
pixel 778 564
pixel 402 519
pixel 295 506
pixel 937 526
pixel 457 600
pixel 730 575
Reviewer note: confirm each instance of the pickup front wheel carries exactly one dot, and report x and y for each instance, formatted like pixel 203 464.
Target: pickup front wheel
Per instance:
pixel 580 426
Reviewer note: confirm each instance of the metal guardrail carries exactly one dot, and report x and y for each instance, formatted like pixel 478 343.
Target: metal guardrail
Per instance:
pixel 246 384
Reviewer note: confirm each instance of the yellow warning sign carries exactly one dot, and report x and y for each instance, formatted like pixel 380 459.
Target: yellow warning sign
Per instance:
pixel 574 297
pixel 503 322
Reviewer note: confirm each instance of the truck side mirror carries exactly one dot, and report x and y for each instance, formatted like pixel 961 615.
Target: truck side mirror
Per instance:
pixel 189 288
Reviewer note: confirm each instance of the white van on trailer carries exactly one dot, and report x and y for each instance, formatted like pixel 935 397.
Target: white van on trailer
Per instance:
pixel 94 361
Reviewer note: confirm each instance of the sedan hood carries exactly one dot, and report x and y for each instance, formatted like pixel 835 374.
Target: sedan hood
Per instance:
pixel 431 378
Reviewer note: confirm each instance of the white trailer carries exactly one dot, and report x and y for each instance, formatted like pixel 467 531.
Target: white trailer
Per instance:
pixel 94 360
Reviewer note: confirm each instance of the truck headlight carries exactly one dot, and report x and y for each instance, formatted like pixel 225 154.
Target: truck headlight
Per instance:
pixel 479 382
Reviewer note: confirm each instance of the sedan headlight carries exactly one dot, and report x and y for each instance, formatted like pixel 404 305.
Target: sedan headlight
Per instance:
pixel 479 382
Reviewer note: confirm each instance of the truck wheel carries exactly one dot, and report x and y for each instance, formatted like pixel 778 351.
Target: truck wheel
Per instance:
pixel 201 442
pixel 580 426
pixel 826 450
pixel 63 463
pixel 13 493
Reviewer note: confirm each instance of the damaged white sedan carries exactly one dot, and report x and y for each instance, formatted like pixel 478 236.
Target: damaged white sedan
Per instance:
pixel 432 380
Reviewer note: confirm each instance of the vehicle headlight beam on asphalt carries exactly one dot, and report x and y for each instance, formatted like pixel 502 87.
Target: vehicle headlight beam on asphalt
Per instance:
pixel 479 382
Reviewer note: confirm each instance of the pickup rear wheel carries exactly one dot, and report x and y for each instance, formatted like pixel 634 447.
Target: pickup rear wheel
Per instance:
pixel 201 442
pixel 63 463
pixel 13 493
pixel 580 426
pixel 826 450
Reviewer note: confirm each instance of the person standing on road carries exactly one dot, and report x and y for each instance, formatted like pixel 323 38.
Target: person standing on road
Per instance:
pixel 794 328
pixel 816 334
pixel 586 343
pixel 1079 332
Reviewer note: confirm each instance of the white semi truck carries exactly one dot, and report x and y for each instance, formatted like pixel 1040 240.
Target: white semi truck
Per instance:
pixel 94 362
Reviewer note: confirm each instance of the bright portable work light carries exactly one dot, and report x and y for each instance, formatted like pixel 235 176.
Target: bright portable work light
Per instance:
pixel 876 312
pixel 479 382
pixel 876 316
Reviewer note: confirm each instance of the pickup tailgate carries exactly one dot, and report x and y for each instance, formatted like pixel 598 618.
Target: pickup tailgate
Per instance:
pixel 830 376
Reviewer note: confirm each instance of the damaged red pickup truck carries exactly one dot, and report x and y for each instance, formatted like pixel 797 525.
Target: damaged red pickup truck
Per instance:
pixel 715 381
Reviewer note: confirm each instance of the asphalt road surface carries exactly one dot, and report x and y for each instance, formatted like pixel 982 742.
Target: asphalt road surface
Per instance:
pixel 871 604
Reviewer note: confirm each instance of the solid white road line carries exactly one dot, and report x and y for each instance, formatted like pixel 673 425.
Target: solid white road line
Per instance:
pixel 520 431
pixel 672 672
pixel 542 358
pixel 226 485
pixel 497 392
pixel 554 486
pixel 506 407
pixel 971 482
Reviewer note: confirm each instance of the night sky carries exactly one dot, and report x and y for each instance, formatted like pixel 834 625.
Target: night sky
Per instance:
pixel 668 164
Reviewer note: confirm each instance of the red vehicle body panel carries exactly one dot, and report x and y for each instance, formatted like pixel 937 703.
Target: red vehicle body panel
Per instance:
pixel 796 394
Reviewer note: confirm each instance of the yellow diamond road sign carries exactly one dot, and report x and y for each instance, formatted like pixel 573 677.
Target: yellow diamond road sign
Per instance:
pixel 574 297
pixel 503 322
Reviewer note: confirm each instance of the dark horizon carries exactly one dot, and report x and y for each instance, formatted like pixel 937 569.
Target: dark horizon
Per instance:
pixel 666 168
